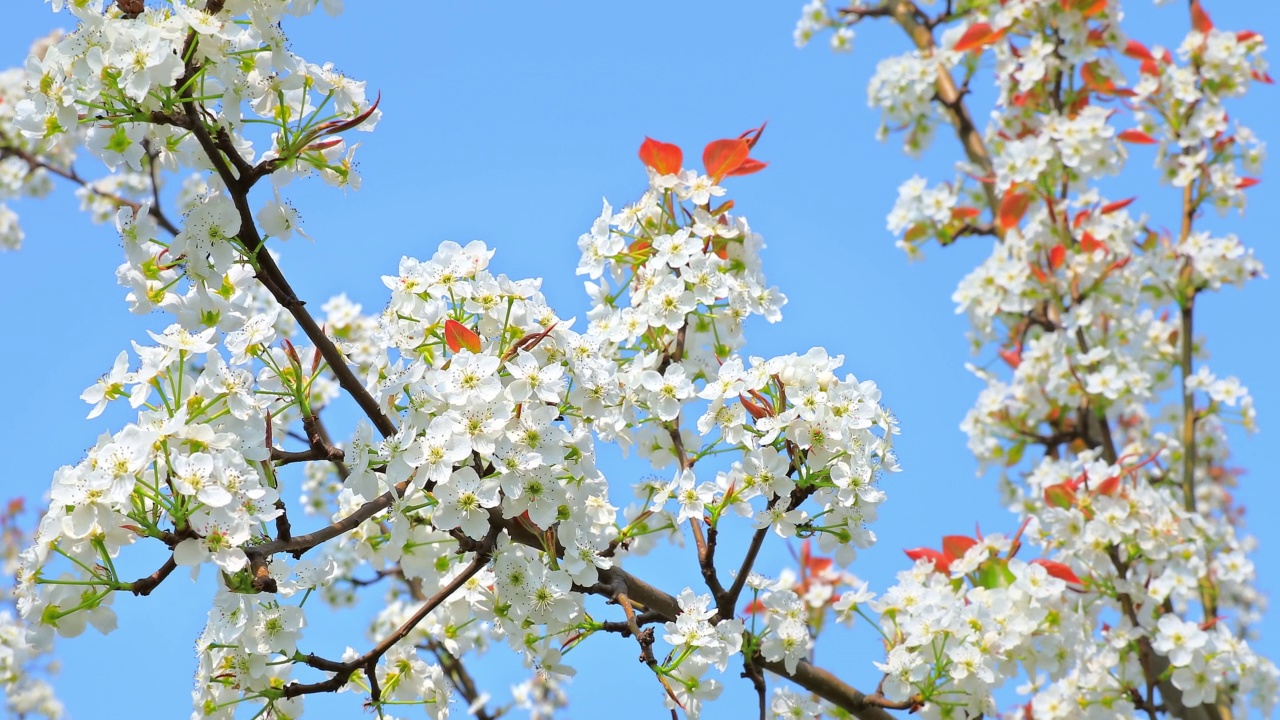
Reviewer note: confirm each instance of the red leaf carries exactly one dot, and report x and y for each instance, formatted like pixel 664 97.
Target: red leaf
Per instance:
pixel 663 158
pixel 1089 8
pixel 1035 270
pixel 1108 486
pixel 955 546
pixel 1245 36
pixel 753 409
pixel 1136 136
pixel 965 213
pixel 754 607
pixel 1096 82
pixel 1138 51
pixel 722 157
pixel 1011 356
pixel 940 562
pixel 972 37
pixel 1247 182
pixel 818 565
pixel 1262 77
pixel 1089 243
pixel 748 166
pixel 1199 18
pixel 1058 570
pixel 459 336
pixel 1012 207
pixel 979 35
pixel 1117 205
pixel 752 136
pixel 1060 496
pixel 1057 256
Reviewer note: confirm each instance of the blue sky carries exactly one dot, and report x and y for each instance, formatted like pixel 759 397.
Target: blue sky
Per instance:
pixel 508 122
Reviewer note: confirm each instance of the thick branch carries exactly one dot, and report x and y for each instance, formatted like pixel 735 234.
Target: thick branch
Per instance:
pixel 907 15
pixel 144 586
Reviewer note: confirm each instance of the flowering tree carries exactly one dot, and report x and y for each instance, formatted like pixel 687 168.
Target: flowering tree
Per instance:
pixel 469 491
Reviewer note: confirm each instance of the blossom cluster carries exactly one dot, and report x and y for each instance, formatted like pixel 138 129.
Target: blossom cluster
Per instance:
pixel 489 403
pixel 1086 307
pixel 24 161
pixel 471 485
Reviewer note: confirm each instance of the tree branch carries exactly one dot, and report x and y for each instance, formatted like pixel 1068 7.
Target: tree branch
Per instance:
pixel 344 671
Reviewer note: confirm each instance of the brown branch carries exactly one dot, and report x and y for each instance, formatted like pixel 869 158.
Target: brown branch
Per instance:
pixel 339 464
pixel 950 97
pixel 144 586
pixel 299 544
pixel 752 673
pixel 644 637
pixel 726 605
pixel 269 273
pixel 459 677
pixel 1186 358
pixel 368 661
pixel 832 689
pixel 34 162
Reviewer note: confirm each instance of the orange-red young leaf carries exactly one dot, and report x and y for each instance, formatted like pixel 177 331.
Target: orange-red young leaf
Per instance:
pixel 818 565
pixel 1108 486
pixel 1138 51
pixel 1199 18
pixel 663 158
pixel 941 562
pixel 1039 273
pixel 1136 136
pixel 979 35
pixel 1011 356
pixel 1096 82
pixel 1057 256
pixel 748 166
pixel 964 213
pixel 1060 496
pixel 972 37
pixel 722 157
pixel 1117 205
pixel 1247 182
pixel 1058 570
pixel 955 546
pixel 752 136
pixel 458 336
pixel 1089 243
pixel 1012 207
pixel 753 409
pixel 1262 77
pixel 1245 36
pixel 1089 8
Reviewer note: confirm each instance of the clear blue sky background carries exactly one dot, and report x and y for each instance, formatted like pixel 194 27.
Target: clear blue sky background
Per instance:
pixel 508 122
